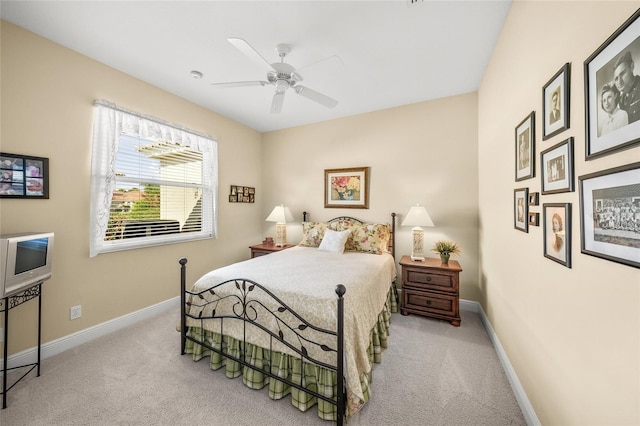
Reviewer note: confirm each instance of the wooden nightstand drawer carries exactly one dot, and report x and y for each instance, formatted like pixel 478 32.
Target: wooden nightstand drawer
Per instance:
pixel 264 249
pixel 430 302
pixel 423 279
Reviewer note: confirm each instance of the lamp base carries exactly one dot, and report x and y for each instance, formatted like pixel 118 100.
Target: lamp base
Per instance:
pixel 281 234
pixel 417 250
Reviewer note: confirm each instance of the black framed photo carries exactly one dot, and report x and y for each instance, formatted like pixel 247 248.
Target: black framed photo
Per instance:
pixel 534 218
pixel 610 213
pixel 534 198
pixel 612 95
pixel 525 148
pixel 521 209
pixel 23 176
pixel 556 168
pixel 555 103
pixel 556 219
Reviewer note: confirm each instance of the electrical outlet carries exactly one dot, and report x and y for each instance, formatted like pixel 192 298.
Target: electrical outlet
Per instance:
pixel 75 312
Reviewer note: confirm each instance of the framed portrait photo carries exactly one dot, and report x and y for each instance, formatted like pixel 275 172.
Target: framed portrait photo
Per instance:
pixel 23 176
pixel 525 148
pixel 612 95
pixel 556 168
pixel 555 103
pixel 346 188
pixel 521 209
pixel 610 214
pixel 556 219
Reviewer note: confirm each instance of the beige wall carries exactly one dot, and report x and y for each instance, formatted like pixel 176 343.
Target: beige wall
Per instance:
pixel 47 94
pixel 572 335
pixel 422 153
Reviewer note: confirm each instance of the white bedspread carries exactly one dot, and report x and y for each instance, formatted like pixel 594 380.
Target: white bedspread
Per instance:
pixel 305 279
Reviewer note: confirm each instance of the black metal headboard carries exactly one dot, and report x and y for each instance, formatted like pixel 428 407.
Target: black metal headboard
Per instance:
pixel 392 240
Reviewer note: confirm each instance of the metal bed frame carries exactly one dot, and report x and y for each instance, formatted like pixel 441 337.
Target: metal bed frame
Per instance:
pixel 248 309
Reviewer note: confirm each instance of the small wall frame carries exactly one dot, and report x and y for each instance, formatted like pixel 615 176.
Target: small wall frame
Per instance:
pixel 242 194
pixel 23 176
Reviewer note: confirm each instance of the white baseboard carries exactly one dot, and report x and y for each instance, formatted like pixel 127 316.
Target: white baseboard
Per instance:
pixel 70 341
pixel 521 396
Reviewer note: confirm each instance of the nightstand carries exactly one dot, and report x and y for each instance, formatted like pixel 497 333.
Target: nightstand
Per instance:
pixel 262 249
pixel 431 288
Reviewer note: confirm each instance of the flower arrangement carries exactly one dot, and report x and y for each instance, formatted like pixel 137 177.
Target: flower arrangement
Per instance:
pixel 345 186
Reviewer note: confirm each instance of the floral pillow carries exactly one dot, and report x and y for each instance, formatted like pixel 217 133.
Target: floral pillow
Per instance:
pixel 313 232
pixel 366 238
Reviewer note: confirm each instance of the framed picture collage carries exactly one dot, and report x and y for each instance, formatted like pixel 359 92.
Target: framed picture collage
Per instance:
pixel 609 198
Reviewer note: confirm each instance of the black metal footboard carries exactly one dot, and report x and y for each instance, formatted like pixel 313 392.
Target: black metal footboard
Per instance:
pixel 235 301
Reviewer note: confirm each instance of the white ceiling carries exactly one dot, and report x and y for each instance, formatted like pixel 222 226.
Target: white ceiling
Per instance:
pixel 390 53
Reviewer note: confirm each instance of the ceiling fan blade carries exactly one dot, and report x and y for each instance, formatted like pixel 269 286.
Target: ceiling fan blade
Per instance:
pixel 316 96
pixel 249 51
pixel 240 84
pixel 335 59
pixel 276 103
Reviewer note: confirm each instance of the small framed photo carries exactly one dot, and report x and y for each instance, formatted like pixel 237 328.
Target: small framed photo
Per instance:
pixel 534 218
pixel 23 176
pixel 555 103
pixel 534 198
pixel 611 94
pixel 521 209
pixel 556 168
pixel 347 188
pixel 556 218
pixel 610 213
pixel 525 148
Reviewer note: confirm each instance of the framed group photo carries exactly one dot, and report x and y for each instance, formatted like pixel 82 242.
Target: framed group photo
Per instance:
pixel 556 218
pixel 556 168
pixel 555 103
pixel 346 188
pixel 525 148
pixel 610 214
pixel 23 176
pixel 521 209
pixel 612 100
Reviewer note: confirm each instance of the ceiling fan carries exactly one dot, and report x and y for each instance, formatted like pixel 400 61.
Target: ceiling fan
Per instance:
pixel 280 74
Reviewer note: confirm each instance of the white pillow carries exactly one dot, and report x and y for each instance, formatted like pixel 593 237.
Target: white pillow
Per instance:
pixel 333 241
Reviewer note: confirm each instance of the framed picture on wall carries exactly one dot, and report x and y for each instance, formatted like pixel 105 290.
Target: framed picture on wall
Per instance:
pixel 555 103
pixel 525 148
pixel 556 219
pixel 556 168
pixel 347 188
pixel 612 97
pixel 521 209
pixel 610 213
pixel 23 176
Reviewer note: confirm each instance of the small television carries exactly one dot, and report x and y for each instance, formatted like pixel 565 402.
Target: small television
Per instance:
pixel 25 259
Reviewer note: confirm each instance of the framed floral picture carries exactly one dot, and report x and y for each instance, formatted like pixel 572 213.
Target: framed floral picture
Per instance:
pixel 610 214
pixel 521 209
pixel 347 188
pixel 557 232
pixel 557 168
pixel 525 148
pixel 612 95
pixel 555 103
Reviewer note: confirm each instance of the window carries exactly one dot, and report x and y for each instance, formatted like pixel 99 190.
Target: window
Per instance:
pixel 151 183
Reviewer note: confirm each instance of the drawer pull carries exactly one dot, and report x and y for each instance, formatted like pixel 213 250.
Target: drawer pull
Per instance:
pixel 428 302
pixel 428 278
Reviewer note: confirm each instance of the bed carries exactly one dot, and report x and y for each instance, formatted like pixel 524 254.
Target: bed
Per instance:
pixel 308 321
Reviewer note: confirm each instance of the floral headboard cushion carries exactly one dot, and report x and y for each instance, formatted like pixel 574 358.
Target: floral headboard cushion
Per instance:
pixel 313 232
pixel 366 237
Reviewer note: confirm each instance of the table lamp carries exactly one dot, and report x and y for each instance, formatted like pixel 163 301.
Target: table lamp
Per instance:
pixel 417 217
pixel 281 215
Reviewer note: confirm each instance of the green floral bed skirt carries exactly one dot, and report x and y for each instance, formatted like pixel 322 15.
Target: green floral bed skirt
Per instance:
pixel 314 378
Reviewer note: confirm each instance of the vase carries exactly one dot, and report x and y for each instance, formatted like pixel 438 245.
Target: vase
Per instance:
pixel 444 257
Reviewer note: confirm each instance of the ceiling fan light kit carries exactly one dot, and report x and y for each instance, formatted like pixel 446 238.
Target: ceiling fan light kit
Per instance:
pixel 280 74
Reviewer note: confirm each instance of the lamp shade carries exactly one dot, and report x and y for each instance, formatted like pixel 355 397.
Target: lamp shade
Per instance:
pixel 417 216
pixel 280 214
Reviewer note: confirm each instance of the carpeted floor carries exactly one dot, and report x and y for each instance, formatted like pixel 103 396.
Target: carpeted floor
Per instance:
pixel 431 374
